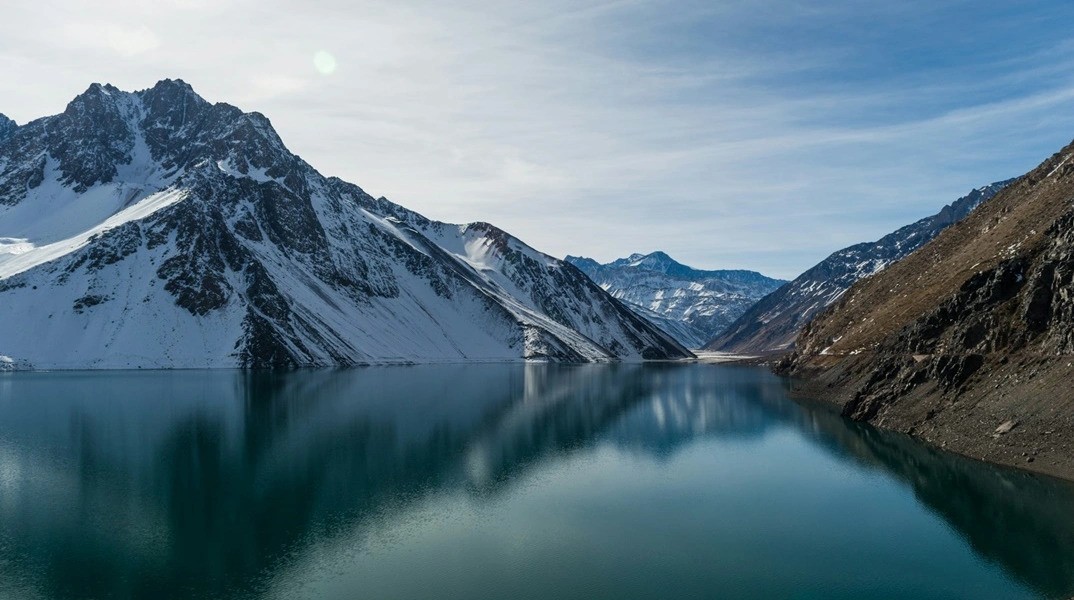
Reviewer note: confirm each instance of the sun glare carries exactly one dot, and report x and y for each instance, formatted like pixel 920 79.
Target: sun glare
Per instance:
pixel 324 62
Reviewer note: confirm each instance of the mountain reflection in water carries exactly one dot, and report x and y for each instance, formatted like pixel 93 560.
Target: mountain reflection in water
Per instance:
pixel 211 484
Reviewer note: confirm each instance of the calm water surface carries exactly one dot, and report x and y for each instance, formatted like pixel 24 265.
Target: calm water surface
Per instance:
pixel 497 481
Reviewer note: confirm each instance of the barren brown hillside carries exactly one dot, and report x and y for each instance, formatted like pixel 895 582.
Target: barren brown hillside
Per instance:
pixel 969 342
pixel 1012 223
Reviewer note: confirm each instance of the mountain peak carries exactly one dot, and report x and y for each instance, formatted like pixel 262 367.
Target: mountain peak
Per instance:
pixel 97 98
pixel 659 257
pixel 164 92
pixel 653 261
pixel 172 91
pixel 175 97
pixel 650 260
pixel 582 262
pixel 104 89
pixel 155 134
pixel 173 84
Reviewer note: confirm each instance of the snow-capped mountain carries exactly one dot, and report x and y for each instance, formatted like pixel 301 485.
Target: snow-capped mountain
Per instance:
pixel 773 323
pixel 691 304
pixel 155 229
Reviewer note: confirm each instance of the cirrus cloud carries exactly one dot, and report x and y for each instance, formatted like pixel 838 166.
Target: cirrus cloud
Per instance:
pixel 733 134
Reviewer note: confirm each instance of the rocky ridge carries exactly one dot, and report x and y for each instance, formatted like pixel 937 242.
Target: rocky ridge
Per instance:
pixel 772 324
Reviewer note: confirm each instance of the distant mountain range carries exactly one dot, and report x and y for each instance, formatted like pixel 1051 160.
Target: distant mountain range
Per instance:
pixel 773 323
pixel 156 229
pixel 691 304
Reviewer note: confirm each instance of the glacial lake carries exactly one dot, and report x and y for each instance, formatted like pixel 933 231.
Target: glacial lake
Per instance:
pixel 497 481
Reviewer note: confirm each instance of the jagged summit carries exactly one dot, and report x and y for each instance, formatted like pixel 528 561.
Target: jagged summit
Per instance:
pixel 170 89
pixel 654 261
pixel 149 137
pixel 692 304
pixel 658 255
pixel 173 86
pixel 582 262
pixel 154 228
pixel 660 262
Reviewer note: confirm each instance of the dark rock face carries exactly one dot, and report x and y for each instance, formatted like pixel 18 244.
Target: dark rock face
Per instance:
pixel 92 139
pixel 254 259
pixel 773 323
pixel 7 128
pixel 1022 304
pixel 973 331
pixel 690 304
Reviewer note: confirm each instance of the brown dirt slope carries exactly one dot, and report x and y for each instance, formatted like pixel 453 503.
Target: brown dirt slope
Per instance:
pixel 969 342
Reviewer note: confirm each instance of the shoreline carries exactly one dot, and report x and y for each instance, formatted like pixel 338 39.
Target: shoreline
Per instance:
pixel 714 357
pixel 1032 443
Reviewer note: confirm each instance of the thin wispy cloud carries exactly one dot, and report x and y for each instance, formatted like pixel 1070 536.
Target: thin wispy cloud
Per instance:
pixel 737 134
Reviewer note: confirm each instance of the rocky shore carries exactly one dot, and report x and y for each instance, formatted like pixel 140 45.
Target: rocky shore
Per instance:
pixel 1012 418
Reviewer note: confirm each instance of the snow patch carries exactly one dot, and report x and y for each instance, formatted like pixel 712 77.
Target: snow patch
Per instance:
pixel 257 174
pixel 13 264
pixel 11 364
pixel 15 245
pixel 1059 166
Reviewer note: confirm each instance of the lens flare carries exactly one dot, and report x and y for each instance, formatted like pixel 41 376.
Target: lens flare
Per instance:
pixel 324 62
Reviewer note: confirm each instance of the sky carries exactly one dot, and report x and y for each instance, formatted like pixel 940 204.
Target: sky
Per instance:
pixel 761 134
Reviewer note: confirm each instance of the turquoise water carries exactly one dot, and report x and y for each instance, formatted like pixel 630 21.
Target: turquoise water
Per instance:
pixel 497 481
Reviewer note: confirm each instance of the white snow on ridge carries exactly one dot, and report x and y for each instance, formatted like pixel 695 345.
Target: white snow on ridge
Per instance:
pixel 139 325
pixel 58 212
pixel 477 256
pixel 30 256
pixel 1059 166
pixel 15 245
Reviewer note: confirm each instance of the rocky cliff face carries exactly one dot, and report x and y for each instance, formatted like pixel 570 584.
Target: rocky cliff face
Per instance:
pixel 7 127
pixel 691 304
pixel 773 323
pixel 155 229
pixel 969 342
